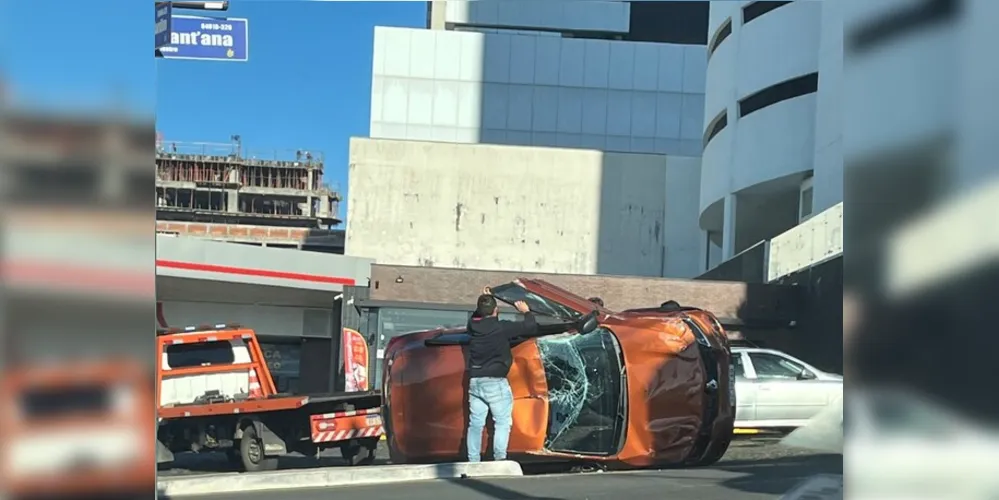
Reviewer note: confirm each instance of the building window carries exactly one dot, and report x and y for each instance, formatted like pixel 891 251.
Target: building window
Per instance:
pixel 723 32
pixel 682 22
pixel 783 91
pixel 283 357
pixel 718 123
pixel 398 321
pixel 393 322
pixel 805 202
pixel 756 9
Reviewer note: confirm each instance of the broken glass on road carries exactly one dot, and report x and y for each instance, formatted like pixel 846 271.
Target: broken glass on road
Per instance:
pixel 585 391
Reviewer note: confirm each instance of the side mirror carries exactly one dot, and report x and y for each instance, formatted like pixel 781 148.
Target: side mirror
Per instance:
pixel 589 323
pixel 806 375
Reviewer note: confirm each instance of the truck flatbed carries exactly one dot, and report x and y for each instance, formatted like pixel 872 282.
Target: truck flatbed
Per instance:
pixel 279 402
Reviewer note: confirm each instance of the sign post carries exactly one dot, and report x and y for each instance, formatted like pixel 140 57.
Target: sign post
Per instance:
pixel 208 39
pixel 164 14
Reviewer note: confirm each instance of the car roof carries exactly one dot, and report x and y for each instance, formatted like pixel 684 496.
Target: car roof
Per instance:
pixel 755 349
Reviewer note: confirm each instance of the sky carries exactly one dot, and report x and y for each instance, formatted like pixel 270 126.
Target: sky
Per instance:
pixel 306 84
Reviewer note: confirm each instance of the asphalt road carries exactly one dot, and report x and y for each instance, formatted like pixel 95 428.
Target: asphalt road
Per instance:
pixel 742 449
pixel 753 469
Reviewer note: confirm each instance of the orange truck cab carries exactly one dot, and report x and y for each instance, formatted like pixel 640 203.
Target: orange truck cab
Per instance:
pixel 215 393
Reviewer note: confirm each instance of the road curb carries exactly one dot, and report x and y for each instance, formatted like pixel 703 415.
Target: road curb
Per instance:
pixel 328 477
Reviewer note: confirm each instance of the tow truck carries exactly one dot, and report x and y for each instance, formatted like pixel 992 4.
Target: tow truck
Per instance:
pixel 215 394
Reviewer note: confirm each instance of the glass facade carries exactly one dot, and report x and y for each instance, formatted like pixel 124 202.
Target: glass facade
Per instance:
pixel 284 362
pixel 284 355
pixel 392 322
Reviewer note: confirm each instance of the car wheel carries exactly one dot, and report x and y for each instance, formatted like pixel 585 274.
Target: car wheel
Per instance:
pixel 251 451
pixel 716 452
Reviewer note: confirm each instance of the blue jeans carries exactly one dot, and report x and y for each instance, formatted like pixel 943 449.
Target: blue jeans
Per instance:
pixel 487 394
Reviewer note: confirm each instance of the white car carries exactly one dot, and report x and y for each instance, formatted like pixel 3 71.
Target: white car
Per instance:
pixel 778 391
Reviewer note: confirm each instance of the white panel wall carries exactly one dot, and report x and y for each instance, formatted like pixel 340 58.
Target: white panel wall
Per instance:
pixel 807 244
pixel 469 87
pixel 568 15
pixel 523 208
pixel 265 320
pixel 773 142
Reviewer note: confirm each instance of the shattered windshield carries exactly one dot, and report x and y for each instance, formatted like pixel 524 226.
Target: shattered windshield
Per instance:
pixel 511 293
pixel 585 391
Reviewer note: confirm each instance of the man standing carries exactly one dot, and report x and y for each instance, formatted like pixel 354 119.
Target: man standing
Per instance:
pixel 489 363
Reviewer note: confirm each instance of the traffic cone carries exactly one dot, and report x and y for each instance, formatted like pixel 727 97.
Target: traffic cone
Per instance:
pixel 255 391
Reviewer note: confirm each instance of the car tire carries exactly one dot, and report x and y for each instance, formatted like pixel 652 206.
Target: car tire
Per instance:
pixel 716 452
pixel 251 452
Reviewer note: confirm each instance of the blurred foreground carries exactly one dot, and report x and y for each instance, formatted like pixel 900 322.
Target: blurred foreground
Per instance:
pixel 78 280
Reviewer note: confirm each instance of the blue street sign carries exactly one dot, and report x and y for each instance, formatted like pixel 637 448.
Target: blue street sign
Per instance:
pixel 163 13
pixel 208 38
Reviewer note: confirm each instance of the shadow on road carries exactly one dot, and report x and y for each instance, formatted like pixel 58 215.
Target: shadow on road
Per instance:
pixel 768 476
pixel 778 475
pixel 194 463
pixel 494 491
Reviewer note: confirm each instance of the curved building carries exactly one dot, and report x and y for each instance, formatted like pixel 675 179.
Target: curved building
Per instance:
pixel 771 154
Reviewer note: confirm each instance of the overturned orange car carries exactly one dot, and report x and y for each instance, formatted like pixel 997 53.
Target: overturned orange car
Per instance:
pixel 631 389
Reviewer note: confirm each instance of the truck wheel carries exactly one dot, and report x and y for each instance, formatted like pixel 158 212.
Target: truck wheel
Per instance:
pixel 359 453
pixel 251 451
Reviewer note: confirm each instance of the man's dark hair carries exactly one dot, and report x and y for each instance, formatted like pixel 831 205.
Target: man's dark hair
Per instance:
pixel 485 306
pixel 597 300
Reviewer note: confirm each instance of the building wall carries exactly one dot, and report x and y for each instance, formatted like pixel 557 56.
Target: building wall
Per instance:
pixel 537 89
pixel 764 156
pixel 828 162
pixel 603 16
pixel 523 208
pixel 200 259
pixel 746 301
pixel 265 320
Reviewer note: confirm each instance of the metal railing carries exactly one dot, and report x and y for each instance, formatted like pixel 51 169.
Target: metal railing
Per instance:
pixel 212 151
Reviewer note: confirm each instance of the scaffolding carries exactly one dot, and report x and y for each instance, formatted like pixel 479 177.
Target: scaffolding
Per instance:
pixel 214 177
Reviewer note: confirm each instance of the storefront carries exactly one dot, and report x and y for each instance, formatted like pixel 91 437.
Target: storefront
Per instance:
pixel 295 310
pixel 380 321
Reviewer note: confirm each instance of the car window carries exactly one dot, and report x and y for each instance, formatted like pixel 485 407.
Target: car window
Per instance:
pixel 737 367
pixel 200 354
pixel 772 366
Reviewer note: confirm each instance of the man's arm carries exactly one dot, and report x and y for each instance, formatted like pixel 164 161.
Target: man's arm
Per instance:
pixel 526 328
pixel 529 326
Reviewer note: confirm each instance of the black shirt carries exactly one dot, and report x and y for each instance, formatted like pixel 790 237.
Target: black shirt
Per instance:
pixel 489 345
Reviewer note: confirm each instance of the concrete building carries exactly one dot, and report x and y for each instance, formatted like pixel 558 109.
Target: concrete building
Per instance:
pixel 291 299
pixel 221 192
pixel 600 107
pixel 523 208
pixel 553 74
pixel 772 136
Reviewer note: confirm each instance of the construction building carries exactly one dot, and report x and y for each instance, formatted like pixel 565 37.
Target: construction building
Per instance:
pixel 220 192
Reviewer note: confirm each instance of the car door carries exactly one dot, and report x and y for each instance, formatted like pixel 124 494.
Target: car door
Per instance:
pixel 745 391
pixel 780 394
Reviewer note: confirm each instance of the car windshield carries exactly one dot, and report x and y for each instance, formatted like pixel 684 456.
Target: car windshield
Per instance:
pixel 585 392
pixel 512 292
